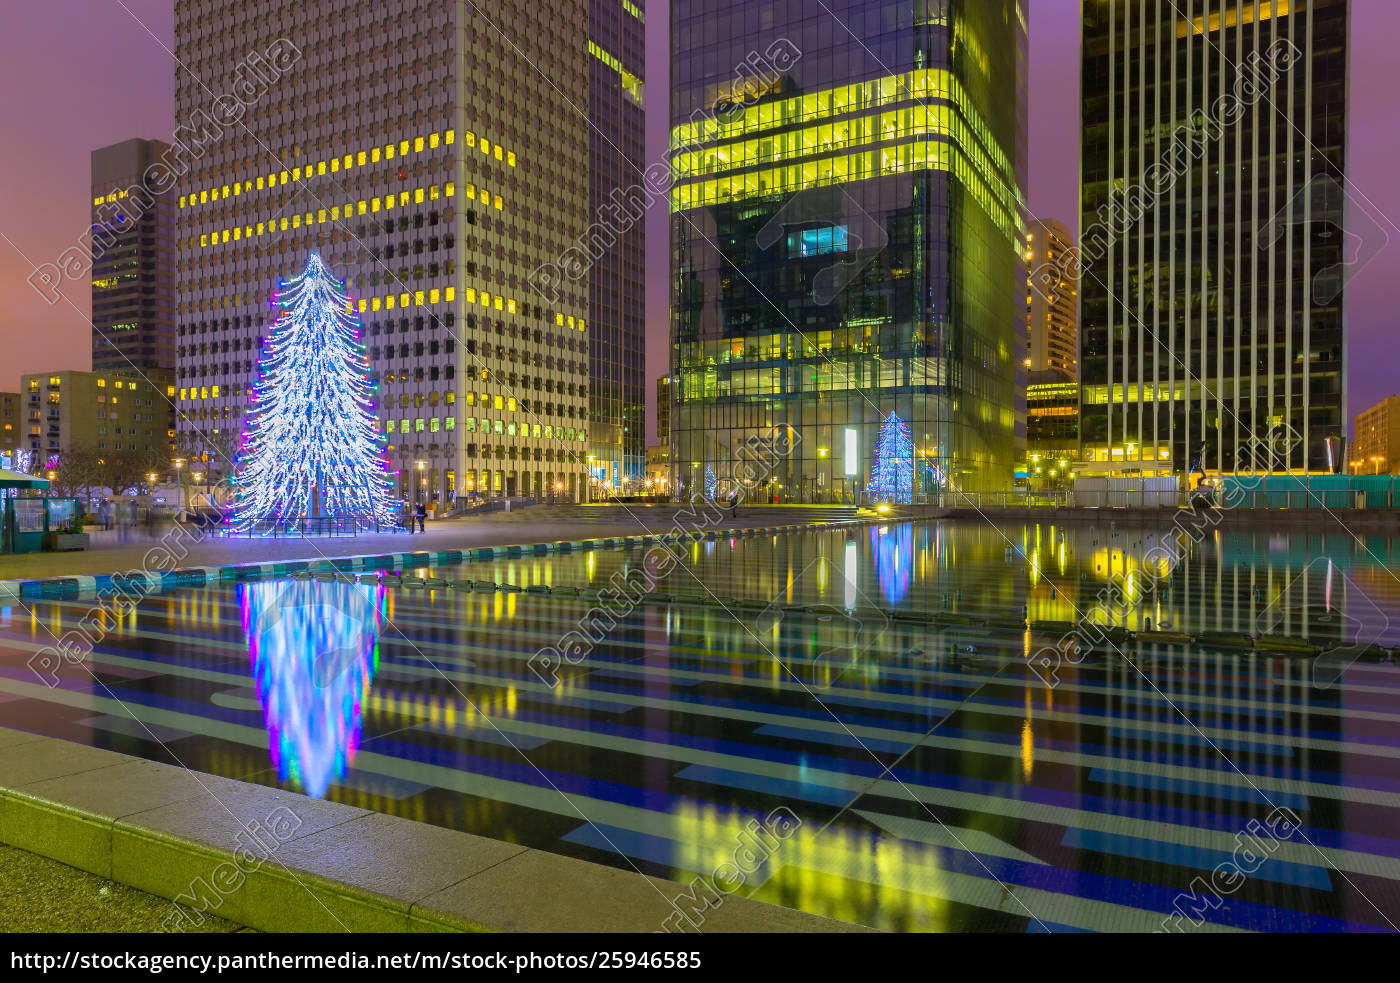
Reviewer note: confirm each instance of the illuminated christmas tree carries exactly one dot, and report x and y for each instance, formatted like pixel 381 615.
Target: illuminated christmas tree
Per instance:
pixel 313 446
pixel 710 483
pixel 892 474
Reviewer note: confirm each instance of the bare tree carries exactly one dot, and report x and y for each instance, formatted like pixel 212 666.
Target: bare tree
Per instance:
pixel 121 471
pixel 76 472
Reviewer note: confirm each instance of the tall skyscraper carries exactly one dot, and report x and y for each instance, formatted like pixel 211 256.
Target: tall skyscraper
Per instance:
pixel 1052 303
pixel 133 262
pixel 616 324
pixel 846 241
pixel 434 154
pixel 1211 247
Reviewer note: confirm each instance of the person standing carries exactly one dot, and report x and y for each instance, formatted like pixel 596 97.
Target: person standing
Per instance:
pixel 422 516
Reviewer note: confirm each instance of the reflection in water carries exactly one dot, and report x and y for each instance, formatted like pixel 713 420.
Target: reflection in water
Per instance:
pixel 314 651
pixel 894 559
pixel 841 873
pixel 951 770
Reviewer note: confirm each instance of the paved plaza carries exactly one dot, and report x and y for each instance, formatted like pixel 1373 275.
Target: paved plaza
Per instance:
pixel 113 551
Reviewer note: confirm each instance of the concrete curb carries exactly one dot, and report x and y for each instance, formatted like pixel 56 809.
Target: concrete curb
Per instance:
pixel 281 862
pixel 145 582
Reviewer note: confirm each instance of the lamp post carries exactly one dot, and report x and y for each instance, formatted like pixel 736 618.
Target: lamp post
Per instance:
pixel 179 463
pixel 422 480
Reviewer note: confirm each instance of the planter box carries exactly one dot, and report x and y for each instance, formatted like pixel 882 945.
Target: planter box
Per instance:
pixel 65 541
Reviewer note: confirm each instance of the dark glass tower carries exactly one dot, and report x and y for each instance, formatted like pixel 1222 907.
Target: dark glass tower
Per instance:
pixel 1211 246
pixel 616 332
pixel 846 241
pixel 133 261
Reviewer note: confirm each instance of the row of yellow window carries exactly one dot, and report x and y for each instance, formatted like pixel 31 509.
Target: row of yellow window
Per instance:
pixel 335 213
pixel 473 425
pixel 922 84
pixel 631 84
pixel 939 121
pixel 343 163
pixel 843 168
pixel 417 298
pixel 471 295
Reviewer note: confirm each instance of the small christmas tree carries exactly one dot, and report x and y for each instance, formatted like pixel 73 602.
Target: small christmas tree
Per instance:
pixel 710 483
pixel 892 474
pixel 313 446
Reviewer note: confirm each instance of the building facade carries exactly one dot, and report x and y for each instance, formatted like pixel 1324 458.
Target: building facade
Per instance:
pixel 658 479
pixel 1052 430
pixel 616 323
pixel 1375 448
pixel 122 410
pixel 434 154
pixel 1211 249
pixel 846 241
pixel 663 411
pixel 133 262
pixel 11 424
pixel 1052 302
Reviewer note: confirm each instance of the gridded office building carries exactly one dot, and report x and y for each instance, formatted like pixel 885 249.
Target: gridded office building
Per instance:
pixel 846 240
pixel 435 154
pixel 1213 260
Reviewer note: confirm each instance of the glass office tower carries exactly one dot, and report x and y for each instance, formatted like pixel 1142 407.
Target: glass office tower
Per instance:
pixel 846 242
pixel 1212 254
pixel 617 397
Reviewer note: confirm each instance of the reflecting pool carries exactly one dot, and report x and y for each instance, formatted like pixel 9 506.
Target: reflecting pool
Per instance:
pixel 950 768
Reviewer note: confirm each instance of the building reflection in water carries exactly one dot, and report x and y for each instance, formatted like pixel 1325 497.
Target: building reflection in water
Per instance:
pixel 314 648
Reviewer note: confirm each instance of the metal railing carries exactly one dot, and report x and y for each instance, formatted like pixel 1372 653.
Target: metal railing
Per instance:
pixel 316 526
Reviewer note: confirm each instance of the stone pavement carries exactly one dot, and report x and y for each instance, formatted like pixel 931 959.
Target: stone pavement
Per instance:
pixel 279 861
pixel 109 554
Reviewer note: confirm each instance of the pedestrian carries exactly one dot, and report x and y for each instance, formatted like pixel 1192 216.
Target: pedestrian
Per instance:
pixel 733 501
pixel 106 515
pixel 422 516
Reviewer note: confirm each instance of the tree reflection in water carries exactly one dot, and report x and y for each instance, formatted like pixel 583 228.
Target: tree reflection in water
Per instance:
pixel 314 648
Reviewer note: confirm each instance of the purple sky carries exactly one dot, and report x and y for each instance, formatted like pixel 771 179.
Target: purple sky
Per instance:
pixel 81 75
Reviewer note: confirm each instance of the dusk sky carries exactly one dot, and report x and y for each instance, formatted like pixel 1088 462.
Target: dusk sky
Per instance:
pixel 80 74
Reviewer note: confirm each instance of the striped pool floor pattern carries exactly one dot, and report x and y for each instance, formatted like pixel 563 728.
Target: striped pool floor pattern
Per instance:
pixel 944 777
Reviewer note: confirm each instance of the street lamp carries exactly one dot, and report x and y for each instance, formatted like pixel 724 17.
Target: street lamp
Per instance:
pixel 179 463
